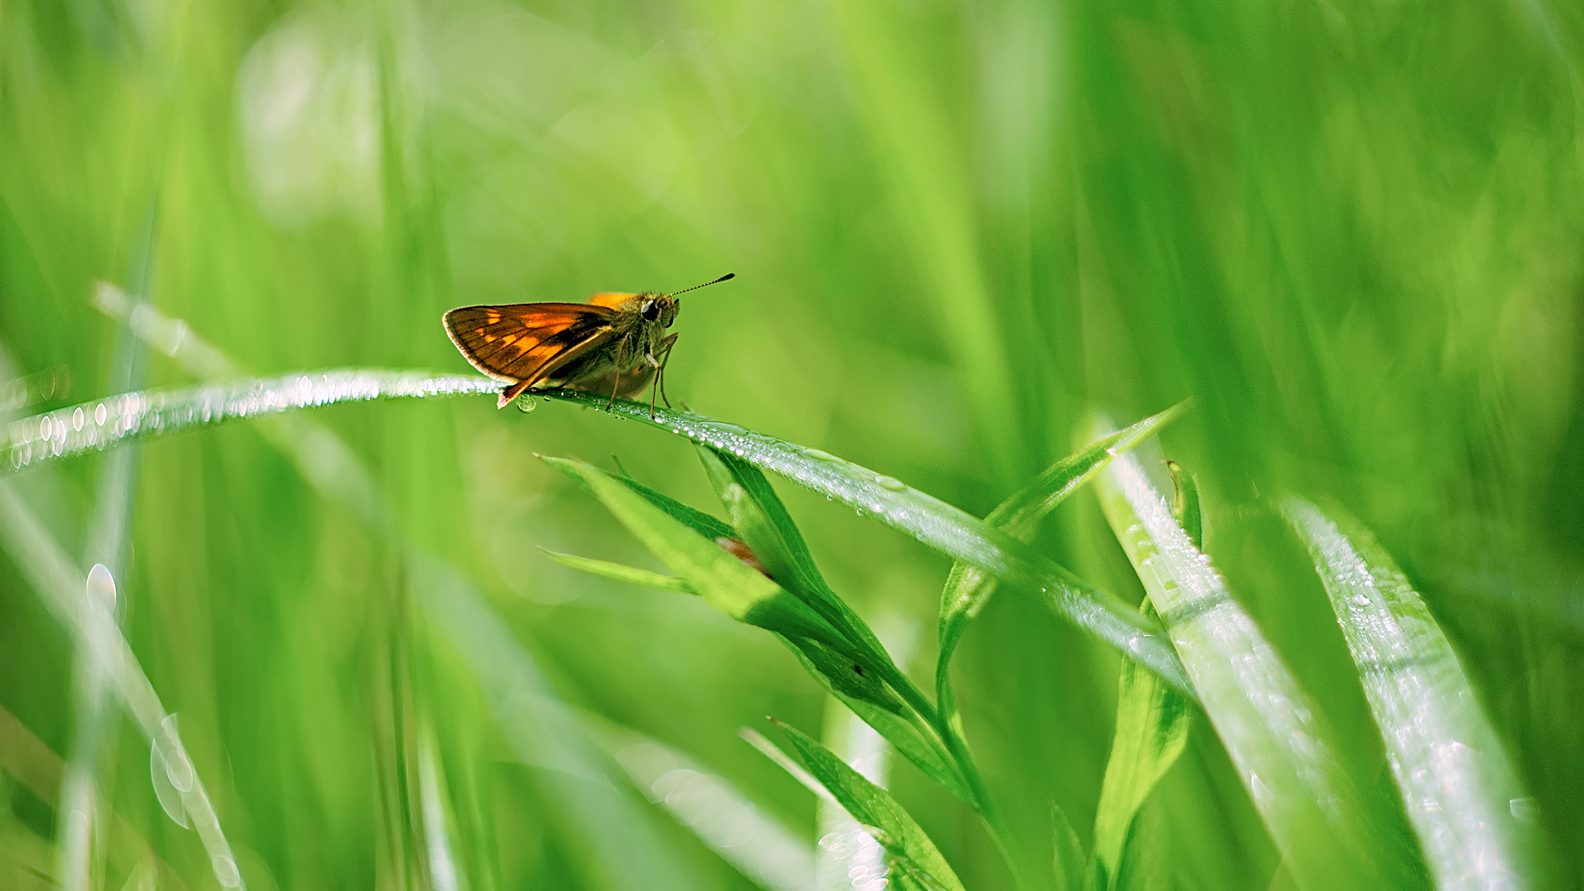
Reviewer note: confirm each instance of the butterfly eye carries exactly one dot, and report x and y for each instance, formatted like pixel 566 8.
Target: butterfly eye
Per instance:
pixel 650 310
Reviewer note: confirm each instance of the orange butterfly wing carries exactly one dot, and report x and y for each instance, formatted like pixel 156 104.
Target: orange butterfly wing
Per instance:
pixel 523 343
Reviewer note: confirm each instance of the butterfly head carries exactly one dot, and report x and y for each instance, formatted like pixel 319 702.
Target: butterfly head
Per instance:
pixel 660 309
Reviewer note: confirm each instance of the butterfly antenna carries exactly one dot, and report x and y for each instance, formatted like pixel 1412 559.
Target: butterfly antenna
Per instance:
pixel 728 275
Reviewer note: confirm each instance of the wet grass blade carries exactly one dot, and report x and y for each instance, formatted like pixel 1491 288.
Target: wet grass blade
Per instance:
pixel 935 523
pixel 1456 782
pixel 1262 716
pixel 970 587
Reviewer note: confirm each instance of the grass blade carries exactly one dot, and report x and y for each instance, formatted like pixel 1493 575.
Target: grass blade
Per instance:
pixel 1151 731
pixel 622 573
pixel 935 523
pixel 969 587
pixel 59 584
pixel 1449 764
pixel 910 848
pixel 725 819
pixel 720 578
pixel 1255 704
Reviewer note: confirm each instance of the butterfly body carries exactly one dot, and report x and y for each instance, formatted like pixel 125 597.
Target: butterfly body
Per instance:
pixel 615 344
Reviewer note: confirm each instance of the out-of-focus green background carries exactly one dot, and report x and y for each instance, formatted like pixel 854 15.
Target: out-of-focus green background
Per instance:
pixel 1350 232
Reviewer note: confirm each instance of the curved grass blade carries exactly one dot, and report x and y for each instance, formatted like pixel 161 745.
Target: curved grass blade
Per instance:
pixel 1263 717
pixel 1449 764
pixel 106 423
pixel 935 523
pixel 910 848
pixel 970 587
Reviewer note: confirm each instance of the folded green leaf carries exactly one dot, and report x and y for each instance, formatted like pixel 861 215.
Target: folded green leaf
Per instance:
pixel 621 572
pixel 719 577
pixel 911 849
pixel 1151 730
pixel 1454 777
pixel 764 525
pixel 930 520
pixel 1185 504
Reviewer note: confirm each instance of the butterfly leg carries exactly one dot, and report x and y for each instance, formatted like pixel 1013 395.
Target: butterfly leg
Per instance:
pixel 621 362
pixel 660 367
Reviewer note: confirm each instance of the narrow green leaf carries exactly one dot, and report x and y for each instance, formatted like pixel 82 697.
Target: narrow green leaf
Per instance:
pixel 621 572
pixel 933 522
pixel 969 587
pixel 1455 779
pixel 764 525
pixel 695 519
pixel 872 806
pixel 1185 504
pixel 880 709
pixel 1068 855
pixel 1151 730
pixel 720 578
pixel 1262 716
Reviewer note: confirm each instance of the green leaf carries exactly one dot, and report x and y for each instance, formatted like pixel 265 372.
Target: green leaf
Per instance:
pixel 1185 504
pixel 695 519
pixel 902 727
pixel 621 572
pixel 910 848
pixel 1454 777
pixel 969 587
pixel 1151 730
pixel 938 525
pixel 1068 855
pixel 720 578
pixel 763 523
pixel 1263 717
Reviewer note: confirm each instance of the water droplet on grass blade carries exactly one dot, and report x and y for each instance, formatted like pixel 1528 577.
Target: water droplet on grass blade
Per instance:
pixel 892 483
pixel 527 402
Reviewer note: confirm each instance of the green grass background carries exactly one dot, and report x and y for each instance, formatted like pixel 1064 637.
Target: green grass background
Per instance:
pixel 1350 232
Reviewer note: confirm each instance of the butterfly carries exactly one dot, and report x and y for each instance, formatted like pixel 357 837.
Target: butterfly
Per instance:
pixel 615 343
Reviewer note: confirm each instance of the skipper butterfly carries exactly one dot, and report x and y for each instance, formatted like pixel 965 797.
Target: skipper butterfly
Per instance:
pixel 615 343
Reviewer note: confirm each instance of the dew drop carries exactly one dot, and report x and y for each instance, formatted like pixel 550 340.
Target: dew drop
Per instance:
pixel 527 402
pixel 818 455
pixel 892 483
pixel 225 871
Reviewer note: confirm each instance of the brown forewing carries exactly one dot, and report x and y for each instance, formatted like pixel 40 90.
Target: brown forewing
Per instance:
pixel 525 342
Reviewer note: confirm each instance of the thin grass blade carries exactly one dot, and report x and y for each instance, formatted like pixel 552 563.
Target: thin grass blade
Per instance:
pixel 622 573
pixel 1263 717
pixel 970 587
pixel 910 848
pixel 930 520
pixel 1459 789
pixel 61 586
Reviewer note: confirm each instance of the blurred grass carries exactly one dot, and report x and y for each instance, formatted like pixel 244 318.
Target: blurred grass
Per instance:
pixel 1349 232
